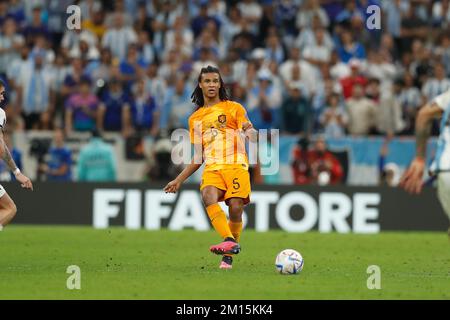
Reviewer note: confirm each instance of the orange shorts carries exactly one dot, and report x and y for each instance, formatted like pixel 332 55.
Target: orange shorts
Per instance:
pixel 235 183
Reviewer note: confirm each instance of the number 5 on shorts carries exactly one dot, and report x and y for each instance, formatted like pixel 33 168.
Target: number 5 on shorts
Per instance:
pixel 236 184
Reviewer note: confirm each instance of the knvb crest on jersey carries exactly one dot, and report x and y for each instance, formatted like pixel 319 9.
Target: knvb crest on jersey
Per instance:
pixel 222 119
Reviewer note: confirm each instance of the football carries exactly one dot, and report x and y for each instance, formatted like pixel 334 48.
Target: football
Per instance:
pixel 289 261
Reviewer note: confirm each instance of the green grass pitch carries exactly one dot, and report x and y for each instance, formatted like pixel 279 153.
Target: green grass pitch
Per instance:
pixel 122 264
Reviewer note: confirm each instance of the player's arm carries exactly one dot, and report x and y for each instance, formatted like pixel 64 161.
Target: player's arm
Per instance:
pixel 6 156
pixel 195 164
pixel 250 132
pixel 412 178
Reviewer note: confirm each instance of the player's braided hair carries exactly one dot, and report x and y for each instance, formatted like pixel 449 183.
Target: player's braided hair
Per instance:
pixel 197 95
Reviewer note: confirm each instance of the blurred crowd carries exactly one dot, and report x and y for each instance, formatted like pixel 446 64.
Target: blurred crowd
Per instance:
pixel 302 66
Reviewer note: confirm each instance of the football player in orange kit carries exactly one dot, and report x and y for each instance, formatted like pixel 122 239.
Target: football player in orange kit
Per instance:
pixel 217 130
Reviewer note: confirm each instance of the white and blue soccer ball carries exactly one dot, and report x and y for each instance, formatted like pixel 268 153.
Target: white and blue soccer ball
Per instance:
pixel 289 261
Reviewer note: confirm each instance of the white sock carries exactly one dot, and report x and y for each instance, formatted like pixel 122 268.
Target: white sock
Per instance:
pixel 1 227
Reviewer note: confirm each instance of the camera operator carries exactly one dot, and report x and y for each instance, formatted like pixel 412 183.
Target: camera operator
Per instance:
pixel 325 167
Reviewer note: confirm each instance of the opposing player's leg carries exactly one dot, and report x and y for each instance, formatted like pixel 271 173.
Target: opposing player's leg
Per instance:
pixel 7 208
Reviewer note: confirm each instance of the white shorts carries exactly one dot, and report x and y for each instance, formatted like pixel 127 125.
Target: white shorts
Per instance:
pixel 444 191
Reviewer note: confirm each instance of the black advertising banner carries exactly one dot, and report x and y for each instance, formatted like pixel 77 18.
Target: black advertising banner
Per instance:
pixel 290 208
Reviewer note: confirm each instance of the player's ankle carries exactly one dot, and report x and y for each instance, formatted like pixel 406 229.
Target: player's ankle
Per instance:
pixel 229 239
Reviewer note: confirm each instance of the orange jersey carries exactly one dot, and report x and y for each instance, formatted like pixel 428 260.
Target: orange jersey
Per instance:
pixel 219 130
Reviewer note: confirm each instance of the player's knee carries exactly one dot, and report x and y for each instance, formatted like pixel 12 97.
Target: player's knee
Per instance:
pixel 208 198
pixel 12 209
pixel 236 208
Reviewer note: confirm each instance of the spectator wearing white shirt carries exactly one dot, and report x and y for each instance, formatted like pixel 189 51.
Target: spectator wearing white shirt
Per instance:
pixel 252 12
pixel 309 74
pixel 307 36
pixel 377 66
pixel 318 53
pixel 441 14
pixel 71 40
pixel 119 37
pixel 307 12
pixel 181 28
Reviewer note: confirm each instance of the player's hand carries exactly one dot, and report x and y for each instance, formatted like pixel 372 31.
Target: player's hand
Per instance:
pixel 25 182
pixel 172 186
pixel 412 179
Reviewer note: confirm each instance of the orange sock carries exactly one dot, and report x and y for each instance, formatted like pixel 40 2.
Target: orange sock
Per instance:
pixel 219 220
pixel 236 229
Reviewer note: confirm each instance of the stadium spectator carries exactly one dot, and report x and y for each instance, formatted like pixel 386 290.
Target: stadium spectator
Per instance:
pixel 155 84
pixel 146 52
pixel 356 77
pixel 436 85
pixel 95 23
pixel 114 109
pixel 410 100
pixel 274 49
pixel 72 38
pixel 443 51
pixel 35 94
pixel 199 22
pixel 59 166
pixel 143 21
pixel 85 51
pixel 348 48
pixel 97 161
pixel 177 106
pixel 308 75
pixel 81 108
pixel 251 11
pixel 307 36
pixel 296 110
pixel 390 114
pixel 308 11
pixel 338 69
pixel 351 11
pixel 99 71
pixel 412 27
pixel 73 78
pixel 333 119
pixel 379 67
pixel 11 43
pixel 231 26
pixel 319 53
pixel 362 112
pixel 144 110
pixel 325 167
pixel 264 102
pixel 35 27
pixel 119 37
